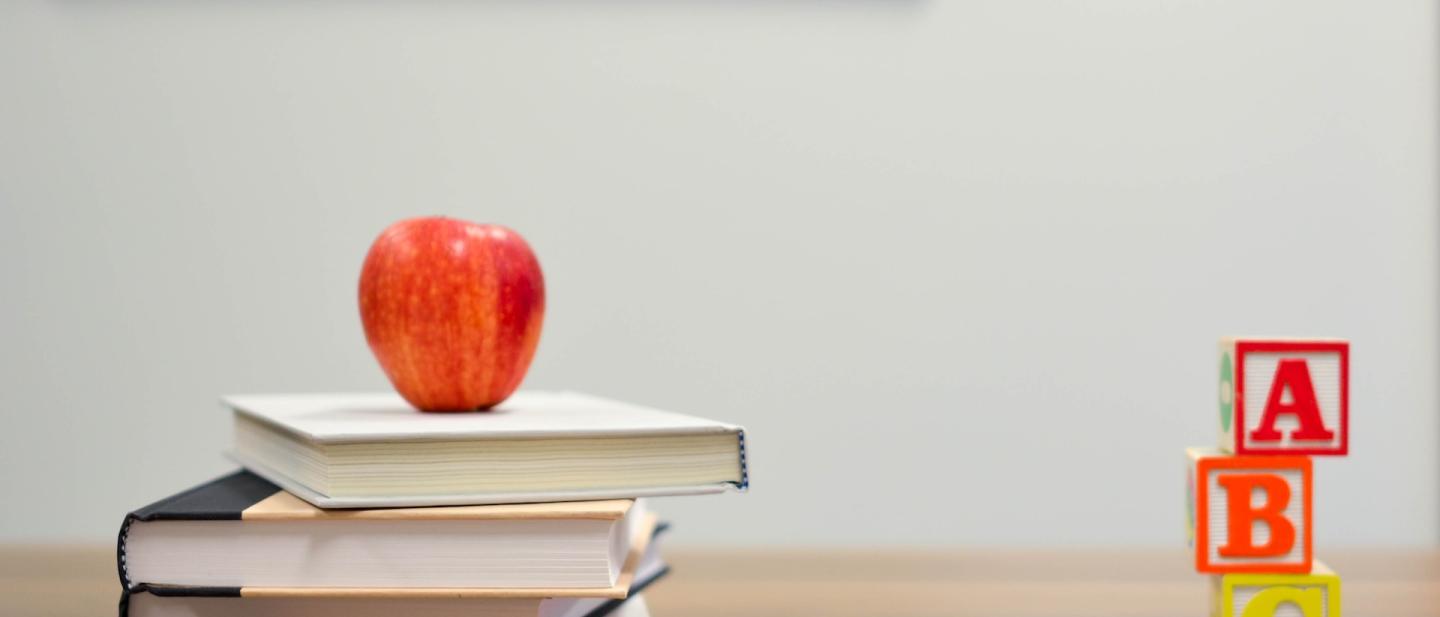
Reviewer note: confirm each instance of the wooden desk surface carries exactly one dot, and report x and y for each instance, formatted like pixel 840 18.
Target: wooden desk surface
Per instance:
pixel 994 583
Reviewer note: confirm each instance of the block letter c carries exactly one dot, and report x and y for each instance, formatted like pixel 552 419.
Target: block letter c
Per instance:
pixel 1311 601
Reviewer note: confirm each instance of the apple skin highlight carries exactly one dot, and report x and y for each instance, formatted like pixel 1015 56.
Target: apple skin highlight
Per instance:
pixel 452 310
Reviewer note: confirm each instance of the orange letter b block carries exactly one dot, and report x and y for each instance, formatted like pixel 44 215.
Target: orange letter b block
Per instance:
pixel 1250 513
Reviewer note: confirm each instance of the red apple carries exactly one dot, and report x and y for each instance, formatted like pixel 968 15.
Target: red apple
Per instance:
pixel 452 310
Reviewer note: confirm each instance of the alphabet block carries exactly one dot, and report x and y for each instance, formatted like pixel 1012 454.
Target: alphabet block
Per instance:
pixel 1313 594
pixel 1284 396
pixel 1250 513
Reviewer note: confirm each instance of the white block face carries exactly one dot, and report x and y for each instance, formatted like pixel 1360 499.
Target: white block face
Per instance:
pixel 1242 596
pixel 1260 372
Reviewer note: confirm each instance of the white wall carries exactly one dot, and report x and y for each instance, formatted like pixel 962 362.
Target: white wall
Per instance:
pixel 959 265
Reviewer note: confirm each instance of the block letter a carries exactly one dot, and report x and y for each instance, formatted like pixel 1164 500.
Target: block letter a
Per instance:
pixel 1294 375
pixel 1311 602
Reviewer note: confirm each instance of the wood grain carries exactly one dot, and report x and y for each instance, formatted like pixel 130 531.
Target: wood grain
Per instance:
pixel 75 581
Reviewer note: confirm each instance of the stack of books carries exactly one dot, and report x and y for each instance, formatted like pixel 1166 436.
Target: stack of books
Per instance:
pixel 359 505
pixel 1282 401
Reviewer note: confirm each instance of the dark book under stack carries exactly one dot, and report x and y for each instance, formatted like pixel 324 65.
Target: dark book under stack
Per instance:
pixel 359 505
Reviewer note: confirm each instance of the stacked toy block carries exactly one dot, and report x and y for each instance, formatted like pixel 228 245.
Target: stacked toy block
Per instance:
pixel 1282 401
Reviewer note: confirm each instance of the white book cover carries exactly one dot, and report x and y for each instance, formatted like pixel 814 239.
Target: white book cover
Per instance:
pixel 372 417
pixel 300 441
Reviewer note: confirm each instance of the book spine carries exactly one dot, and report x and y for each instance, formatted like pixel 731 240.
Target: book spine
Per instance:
pixel 224 498
pixel 744 465
pixel 120 560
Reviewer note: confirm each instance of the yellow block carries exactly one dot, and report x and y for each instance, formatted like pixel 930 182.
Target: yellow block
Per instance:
pixel 1316 594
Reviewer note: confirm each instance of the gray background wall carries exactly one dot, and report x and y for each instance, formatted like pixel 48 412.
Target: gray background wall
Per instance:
pixel 958 265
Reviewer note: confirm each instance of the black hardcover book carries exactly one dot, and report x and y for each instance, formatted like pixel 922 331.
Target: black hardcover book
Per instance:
pixel 239 545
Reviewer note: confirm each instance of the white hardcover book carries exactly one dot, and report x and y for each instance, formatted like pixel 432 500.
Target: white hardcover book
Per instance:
pixel 374 450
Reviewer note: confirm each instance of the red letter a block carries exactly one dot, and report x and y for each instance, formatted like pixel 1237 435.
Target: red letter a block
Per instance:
pixel 1284 396
pixel 1250 513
